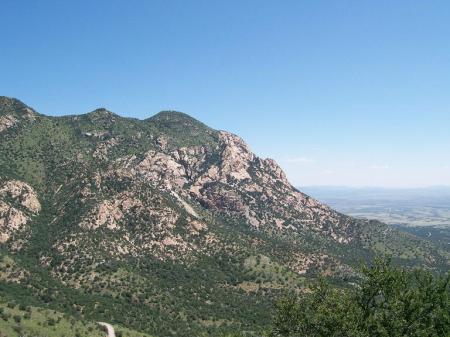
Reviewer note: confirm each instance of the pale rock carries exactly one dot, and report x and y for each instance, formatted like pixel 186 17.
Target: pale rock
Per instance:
pixel 162 170
pixel 197 226
pixel 106 214
pixel 22 204
pixel 23 192
pixel 7 121
pixel 236 157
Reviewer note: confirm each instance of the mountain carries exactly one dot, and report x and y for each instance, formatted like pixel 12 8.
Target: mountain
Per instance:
pixel 165 225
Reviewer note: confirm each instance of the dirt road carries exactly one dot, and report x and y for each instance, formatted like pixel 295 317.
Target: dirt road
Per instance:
pixel 109 328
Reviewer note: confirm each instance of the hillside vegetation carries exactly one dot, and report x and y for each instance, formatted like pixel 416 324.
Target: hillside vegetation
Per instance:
pixel 387 301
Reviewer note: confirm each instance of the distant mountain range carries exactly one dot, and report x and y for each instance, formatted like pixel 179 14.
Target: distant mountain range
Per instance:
pixel 166 226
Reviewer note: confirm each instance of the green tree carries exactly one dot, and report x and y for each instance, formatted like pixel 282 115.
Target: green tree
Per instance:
pixel 387 302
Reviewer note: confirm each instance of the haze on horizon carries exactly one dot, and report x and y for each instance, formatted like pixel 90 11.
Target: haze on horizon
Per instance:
pixel 344 94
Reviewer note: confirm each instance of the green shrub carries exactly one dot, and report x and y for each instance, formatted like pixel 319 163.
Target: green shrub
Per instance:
pixel 387 302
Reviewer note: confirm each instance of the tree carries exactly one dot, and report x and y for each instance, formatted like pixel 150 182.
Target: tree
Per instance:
pixel 387 302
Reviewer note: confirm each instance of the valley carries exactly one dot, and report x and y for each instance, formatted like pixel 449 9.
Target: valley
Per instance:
pixel 424 212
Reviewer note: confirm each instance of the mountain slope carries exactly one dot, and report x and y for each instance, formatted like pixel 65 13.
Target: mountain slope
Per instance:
pixel 165 224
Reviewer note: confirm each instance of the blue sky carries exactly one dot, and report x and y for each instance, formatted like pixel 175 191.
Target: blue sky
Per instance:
pixel 338 92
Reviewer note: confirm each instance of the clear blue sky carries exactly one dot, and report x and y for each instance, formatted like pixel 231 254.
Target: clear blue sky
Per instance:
pixel 338 92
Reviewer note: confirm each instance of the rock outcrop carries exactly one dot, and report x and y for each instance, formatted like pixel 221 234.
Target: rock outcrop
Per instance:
pixel 18 203
pixel 230 181
pixel 6 122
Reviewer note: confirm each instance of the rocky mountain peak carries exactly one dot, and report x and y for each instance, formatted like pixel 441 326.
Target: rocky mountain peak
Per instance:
pixel 173 116
pixel 10 102
pixel 13 105
pixel 175 120
pixel 12 111
pixel 102 114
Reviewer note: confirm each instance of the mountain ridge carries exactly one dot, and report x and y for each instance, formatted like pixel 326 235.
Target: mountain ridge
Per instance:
pixel 164 216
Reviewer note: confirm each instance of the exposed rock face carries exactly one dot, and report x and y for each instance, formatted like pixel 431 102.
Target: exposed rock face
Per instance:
pixel 18 203
pixel 236 157
pixel 162 170
pixel 6 122
pixel 107 213
pixel 239 182
pixel 11 219
pixel 232 181
pixel 101 151
pixel 23 193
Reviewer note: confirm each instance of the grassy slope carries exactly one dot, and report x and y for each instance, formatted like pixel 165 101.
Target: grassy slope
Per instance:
pixel 23 321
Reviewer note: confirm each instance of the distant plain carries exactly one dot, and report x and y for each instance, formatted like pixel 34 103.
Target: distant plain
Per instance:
pixel 421 211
